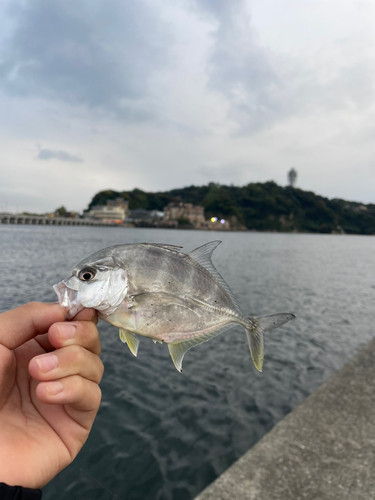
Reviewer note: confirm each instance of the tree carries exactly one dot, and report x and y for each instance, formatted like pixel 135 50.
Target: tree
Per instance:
pixel 61 212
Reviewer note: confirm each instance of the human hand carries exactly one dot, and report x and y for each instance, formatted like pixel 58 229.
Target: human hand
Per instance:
pixel 49 393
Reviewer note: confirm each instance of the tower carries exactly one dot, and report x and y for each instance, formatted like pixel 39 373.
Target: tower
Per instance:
pixel 292 177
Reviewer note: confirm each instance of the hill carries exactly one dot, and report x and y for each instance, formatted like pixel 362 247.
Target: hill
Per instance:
pixel 261 206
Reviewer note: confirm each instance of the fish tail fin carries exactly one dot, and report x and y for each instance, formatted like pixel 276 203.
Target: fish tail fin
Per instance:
pixel 254 333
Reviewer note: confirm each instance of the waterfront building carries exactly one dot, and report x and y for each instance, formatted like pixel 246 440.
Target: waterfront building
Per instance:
pixel 114 210
pixel 142 217
pixel 193 214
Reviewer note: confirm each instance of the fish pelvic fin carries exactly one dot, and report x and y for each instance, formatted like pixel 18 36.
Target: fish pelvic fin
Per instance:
pixel 255 332
pixel 131 339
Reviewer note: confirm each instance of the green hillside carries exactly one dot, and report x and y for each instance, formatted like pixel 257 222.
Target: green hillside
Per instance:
pixel 261 206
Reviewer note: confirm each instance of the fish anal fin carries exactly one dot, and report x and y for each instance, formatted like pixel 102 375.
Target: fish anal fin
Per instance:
pixel 178 349
pixel 131 339
pixel 177 352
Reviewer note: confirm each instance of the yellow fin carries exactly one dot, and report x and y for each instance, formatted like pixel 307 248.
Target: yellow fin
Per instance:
pixel 122 336
pixel 255 334
pixel 131 339
pixel 255 339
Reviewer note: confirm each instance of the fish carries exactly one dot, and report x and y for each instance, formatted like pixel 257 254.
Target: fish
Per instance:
pixel 154 290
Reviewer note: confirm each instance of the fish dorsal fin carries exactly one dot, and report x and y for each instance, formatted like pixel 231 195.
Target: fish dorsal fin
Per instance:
pixel 164 245
pixel 177 350
pixel 131 339
pixel 202 255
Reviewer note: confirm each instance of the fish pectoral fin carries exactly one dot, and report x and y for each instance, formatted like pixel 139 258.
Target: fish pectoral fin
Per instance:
pixel 131 339
pixel 178 349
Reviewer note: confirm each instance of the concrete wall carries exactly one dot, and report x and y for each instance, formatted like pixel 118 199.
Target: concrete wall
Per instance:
pixel 322 450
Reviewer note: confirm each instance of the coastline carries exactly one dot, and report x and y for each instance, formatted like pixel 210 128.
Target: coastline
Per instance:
pixel 12 219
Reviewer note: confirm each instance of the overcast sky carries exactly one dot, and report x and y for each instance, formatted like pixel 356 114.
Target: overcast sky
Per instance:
pixel 159 94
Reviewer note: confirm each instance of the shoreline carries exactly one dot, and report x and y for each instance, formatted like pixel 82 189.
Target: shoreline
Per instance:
pixel 93 223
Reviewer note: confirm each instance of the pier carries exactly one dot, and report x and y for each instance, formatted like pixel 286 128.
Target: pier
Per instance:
pixel 323 450
pixel 6 218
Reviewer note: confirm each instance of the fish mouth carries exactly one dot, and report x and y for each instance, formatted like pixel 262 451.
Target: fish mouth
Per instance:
pixel 68 299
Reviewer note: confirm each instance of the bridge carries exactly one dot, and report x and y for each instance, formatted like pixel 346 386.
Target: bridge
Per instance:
pixel 6 218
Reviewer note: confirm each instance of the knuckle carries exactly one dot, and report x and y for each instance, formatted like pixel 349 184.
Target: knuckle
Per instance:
pixel 79 353
pixel 79 385
pixel 31 306
pixel 76 354
pixel 90 393
pixel 90 335
pixel 97 395
pixel 88 329
pixel 101 369
pixel 98 347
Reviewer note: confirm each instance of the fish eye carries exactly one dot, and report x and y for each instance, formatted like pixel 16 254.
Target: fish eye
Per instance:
pixel 86 274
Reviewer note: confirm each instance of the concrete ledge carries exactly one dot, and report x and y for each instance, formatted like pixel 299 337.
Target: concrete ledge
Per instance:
pixel 323 450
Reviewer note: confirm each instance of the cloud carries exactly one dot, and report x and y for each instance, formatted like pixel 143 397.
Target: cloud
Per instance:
pixel 264 85
pixel 233 172
pixel 166 93
pixel 49 154
pixel 239 68
pixel 101 55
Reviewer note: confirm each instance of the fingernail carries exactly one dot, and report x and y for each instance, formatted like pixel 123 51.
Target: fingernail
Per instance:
pixel 53 388
pixel 66 330
pixel 47 362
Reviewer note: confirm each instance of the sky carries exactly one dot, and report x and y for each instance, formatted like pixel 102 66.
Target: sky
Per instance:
pixel 161 94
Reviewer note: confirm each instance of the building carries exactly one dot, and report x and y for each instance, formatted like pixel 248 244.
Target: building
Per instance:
pixel 193 214
pixel 218 224
pixel 145 218
pixel 115 210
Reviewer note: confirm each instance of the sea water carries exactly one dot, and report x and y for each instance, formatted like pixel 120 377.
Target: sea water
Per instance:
pixel 163 435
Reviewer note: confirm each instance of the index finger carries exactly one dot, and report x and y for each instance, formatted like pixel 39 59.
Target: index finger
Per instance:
pixel 26 322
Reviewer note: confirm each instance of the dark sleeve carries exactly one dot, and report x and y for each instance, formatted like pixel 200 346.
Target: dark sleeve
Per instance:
pixel 18 493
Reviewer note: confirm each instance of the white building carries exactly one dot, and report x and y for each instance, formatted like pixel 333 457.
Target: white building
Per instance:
pixel 115 210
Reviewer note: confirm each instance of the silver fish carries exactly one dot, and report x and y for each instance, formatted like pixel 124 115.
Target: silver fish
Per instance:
pixel 154 290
